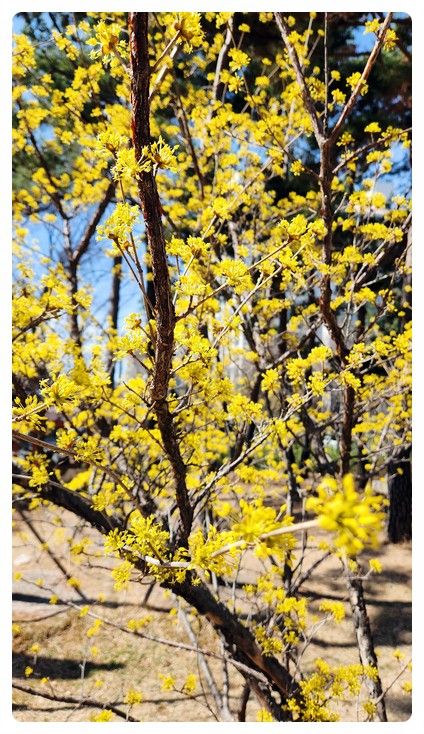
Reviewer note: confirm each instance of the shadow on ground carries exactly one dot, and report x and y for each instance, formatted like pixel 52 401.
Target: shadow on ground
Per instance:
pixel 65 669
pixel 392 624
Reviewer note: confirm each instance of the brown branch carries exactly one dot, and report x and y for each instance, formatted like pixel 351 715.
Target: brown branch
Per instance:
pixel 73 280
pixel 183 122
pixel 308 573
pixel 307 99
pixel 244 669
pixel 36 322
pixel 163 72
pixel 365 148
pixel 241 714
pixel 221 704
pixel 27 438
pixel 326 76
pixel 115 294
pixel 92 225
pixel 326 146
pixel 347 426
pixel 325 178
pixel 165 314
pixel 243 645
pixel 329 317
pixel 364 76
pixel 75 327
pixel 49 552
pixel 89 702
pixel 114 310
pixel 77 504
pixel 326 174
pixel 387 689
pixel 223 51
pixel 53 195
pixel 264 673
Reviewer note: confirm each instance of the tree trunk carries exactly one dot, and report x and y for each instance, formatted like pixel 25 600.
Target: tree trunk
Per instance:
pixel 365 642
pixel 400 498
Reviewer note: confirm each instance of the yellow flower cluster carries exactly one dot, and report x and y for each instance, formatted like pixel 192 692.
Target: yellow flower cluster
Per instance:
pixel 327 686
pixel 355 520
pixel 189 27
pixel 104 715
pixel 133 697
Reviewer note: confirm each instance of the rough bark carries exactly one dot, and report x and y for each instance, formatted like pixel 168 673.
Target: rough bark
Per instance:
pixel 164 308
pixel 240 642
pixel 367 654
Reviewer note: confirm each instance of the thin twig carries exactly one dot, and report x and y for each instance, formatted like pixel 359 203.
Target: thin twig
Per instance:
pixel 79 702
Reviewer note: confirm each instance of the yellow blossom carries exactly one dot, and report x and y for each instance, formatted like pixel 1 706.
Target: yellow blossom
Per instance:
pixel 239 59
pixel 337 609
pixel 297 168
pixel 168 682
pixel 355 520
pixel 375 565
pixel 133 697
pixel 190 684
pixel 104 715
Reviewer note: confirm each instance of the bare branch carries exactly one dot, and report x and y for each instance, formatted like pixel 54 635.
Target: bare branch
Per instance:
pixel 59 698
pixel 221 56
pixel 225 714
pixel 92 225
pixel 27 438
pixel 53 557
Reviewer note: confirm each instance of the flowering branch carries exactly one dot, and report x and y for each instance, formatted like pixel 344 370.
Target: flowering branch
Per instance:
pixel 165 321
pixel 363 78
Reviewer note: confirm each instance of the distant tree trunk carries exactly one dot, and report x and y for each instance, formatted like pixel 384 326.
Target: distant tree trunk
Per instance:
pixel 114 309
pixel 400 498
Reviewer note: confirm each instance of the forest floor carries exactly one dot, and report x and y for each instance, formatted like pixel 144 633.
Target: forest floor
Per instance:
pixel 122 661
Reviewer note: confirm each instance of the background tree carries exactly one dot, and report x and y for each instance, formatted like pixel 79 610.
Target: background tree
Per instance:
pixel 264 358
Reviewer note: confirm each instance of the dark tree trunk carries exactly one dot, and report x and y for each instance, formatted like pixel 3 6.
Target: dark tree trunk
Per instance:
pixel 115 297
pixel 400 499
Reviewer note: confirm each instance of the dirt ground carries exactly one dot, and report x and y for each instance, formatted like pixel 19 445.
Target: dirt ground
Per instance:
pixel 121 661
